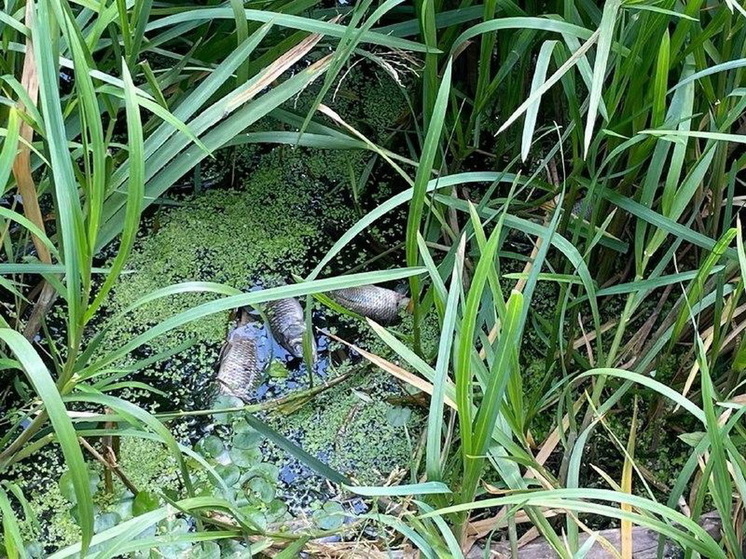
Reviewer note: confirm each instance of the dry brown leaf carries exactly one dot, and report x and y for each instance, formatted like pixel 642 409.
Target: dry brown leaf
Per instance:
pixel 22 162
pixel 276 69
pixel 395 370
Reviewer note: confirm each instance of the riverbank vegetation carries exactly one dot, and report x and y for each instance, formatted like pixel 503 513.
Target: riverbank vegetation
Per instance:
pixel 557 185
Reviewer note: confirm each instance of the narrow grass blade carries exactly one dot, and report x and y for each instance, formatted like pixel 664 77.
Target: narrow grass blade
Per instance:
pixel 400 199
pixel 10 146
pixel 540 73
pixel 286 20
pixel 12 539
pixel 250 299
pixel 435 413
pixel 605 39
pixel 70 214
pixel 44 386
pixel 294 450
pixel 136 192
pixel 426 488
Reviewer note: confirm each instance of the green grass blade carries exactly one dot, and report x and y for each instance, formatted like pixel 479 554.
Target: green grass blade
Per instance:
pixel 44 386
pixel 605 40
pixel 32 228
pixel 12 539
pixel 10 147
pixel 540 74
pixel 137 417
pixel 293 449
pixel 425 488
pixel 424 173
pixel 130 529
pixel 285 20
pixel 400 199
pixel 250 299
pixel 136 192
pixel 70 215
pixel 502 368
pixel 442 366
pixel 463 372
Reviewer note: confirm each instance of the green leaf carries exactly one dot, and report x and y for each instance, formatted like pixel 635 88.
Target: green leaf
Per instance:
pixel 262 488
pixel 426 488
pixel 145 501
pixel 605 39
pixel 230 473
pixel 398 416
pixel 211 446
pixel 246 438
pixel 245 458
pixel 39 377
pixel 330 516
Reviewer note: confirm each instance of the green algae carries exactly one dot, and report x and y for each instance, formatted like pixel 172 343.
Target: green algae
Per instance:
pixel 47 484
pixel 351 426
pixel 261 234
pixel 285 206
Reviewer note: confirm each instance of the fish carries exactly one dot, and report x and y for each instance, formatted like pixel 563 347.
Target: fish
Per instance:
pixel 288 325
pixel 240 365
pixel 377 303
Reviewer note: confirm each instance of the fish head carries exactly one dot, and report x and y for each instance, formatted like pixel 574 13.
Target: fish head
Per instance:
pixel 403 302
pixel 296 348
pixel 294 340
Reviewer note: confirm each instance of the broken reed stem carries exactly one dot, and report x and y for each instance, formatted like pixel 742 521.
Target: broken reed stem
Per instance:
pixel 110 463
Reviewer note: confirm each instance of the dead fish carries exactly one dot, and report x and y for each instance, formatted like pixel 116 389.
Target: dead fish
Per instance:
pixel 377 303
pixel 288 324
pixel 239 364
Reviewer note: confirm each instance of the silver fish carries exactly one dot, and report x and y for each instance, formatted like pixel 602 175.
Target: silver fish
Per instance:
pixel 288 325
pixel 380 304
pixel 239 364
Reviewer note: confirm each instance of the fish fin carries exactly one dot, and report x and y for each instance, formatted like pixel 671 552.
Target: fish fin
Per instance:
pixel 410 306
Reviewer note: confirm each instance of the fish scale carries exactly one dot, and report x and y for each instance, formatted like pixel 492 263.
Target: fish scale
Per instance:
pixel 288 325
pixel 378 303
pixel 239 364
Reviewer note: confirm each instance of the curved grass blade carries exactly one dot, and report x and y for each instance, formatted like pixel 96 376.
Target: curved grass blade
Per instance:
pixel 649 382
pixel 402 198
pixel 690 535
pixel 286 20
pixel 130 529
pixel 32 227
pixel 249 299
pixel 44 386
pixel 137 416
